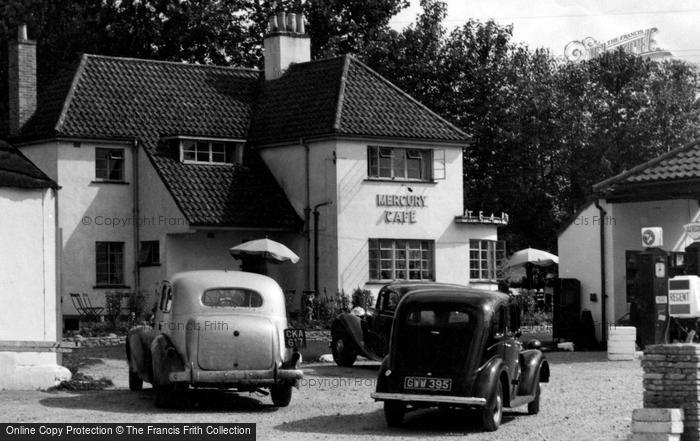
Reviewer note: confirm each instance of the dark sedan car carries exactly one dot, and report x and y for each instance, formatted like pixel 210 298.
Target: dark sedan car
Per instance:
pixel 366 333
pixel 459 347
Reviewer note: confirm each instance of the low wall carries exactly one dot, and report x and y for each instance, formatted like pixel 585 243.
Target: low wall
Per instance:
pixel 672 380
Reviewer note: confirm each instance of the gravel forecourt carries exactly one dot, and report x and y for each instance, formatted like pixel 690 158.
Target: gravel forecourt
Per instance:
pixel 588 398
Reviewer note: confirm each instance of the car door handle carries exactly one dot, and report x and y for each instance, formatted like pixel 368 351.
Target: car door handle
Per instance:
pixel 508 345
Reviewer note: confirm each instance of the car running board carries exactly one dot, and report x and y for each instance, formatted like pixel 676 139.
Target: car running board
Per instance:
pixel 521 400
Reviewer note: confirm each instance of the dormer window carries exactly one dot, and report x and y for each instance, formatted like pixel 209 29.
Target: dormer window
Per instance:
pixel 199 151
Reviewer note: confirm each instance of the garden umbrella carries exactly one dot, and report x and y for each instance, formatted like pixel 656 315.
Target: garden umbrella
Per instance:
pixel 268 249
pixel 533 256
pixel 529 257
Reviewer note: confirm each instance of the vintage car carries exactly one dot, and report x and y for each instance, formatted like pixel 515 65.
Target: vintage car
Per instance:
pixel 216 329
pixel 366 333
pixel 459 347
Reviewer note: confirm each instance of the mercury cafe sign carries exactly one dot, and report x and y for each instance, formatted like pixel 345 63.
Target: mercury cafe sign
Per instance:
pixel 402 207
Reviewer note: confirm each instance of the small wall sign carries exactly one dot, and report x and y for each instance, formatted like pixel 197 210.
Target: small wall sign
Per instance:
pixel 693 230
pixel 471 217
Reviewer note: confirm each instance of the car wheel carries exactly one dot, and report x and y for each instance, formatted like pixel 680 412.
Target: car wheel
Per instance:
pixel 135 382
pixel 343 354
pixel 281 395
pixel 162 395
pixel 394 412
pixel 533 407
pixel 492 413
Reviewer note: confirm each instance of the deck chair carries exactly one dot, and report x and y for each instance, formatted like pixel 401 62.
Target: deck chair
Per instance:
pixel 84 307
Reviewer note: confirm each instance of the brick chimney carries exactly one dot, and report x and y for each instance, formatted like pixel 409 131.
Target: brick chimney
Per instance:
pixel 285 43
pixel 22 80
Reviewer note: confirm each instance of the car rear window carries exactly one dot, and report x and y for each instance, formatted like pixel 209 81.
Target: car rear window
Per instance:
pixel 232 297
pixel 437 317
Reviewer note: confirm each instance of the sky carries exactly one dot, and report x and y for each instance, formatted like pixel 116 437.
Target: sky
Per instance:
pixel 554 23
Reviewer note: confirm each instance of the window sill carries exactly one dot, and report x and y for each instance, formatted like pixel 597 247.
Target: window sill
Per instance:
pixel 144 265
pixel 401 181
pixel 111 286
pixel 384 282
pixel 109 181
pixel 187 162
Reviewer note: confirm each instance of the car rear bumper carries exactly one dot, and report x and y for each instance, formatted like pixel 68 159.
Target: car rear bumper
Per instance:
pixel 248 377
pixel 420 398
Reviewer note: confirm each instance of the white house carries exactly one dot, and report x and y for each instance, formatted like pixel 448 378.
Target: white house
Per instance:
pixel 663 192
pixel 30 318
pixel 164 166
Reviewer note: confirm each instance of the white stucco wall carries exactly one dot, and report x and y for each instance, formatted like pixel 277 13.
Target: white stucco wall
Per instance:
pixel 88 212
pixel 339 174
pixel 160 217
pixel 28 288
pixel 579 246
pixel 27 265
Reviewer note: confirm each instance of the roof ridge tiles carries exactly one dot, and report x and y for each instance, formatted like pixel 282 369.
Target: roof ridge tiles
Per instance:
pixel 171 62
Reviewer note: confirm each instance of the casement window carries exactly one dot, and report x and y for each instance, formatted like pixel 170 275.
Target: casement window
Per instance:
pixel 486 259
pixel 400 163
pixel 149 254
pixel 401 259
pixel 109 164
pixel 110 263
pixel 210 152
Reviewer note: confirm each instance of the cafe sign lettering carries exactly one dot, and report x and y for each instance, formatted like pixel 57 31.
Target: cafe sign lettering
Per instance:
pixel 401 208
pixel 472 217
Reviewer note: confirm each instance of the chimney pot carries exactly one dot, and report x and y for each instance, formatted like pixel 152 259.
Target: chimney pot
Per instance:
pixel 272 23
pixel 281 21
pixel 300 23
pixel 22 33
pixel 292 23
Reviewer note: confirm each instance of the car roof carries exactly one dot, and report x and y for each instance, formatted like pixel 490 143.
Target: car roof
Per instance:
pixel 404 286
pixel 205 279
pixel 439 293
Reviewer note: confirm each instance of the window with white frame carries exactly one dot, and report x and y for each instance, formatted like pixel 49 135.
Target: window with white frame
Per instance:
pixel 209 152
pixel 486 259
pixel 399 163
pixel 401 259
pixel 109 164
pixel 110 263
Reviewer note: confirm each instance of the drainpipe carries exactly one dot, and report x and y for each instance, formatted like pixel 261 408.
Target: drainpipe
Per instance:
pixel 603 295
pixel 307 212
pixel 136 213
pixel 316 216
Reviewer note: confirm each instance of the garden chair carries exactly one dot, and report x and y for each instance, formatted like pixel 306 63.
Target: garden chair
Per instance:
pixel 84 307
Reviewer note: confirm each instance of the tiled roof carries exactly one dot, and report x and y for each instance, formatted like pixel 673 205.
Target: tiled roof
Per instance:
pixel 680 164
pixel 19 172
pixel 342 96
pixel 148 100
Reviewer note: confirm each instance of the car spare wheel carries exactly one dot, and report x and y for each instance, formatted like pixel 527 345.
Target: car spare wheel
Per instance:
pixel 492 413
pixel 281 395
pixel 394 412
pixel 343 352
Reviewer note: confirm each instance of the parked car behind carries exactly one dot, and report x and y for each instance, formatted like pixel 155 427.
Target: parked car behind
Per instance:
pixel 459 347
pixel 216 329
pixel 366 333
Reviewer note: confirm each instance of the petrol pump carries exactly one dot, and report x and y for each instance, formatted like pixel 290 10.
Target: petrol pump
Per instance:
pixel 649 310
pixel 684 294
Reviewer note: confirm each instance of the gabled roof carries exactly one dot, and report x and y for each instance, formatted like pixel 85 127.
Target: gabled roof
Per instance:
pixel 17 171
pixel 343 97
pixel 147 100
pixel 662 175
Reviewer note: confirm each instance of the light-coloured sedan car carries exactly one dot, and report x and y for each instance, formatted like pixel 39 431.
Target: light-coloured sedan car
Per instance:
pixel 217 329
